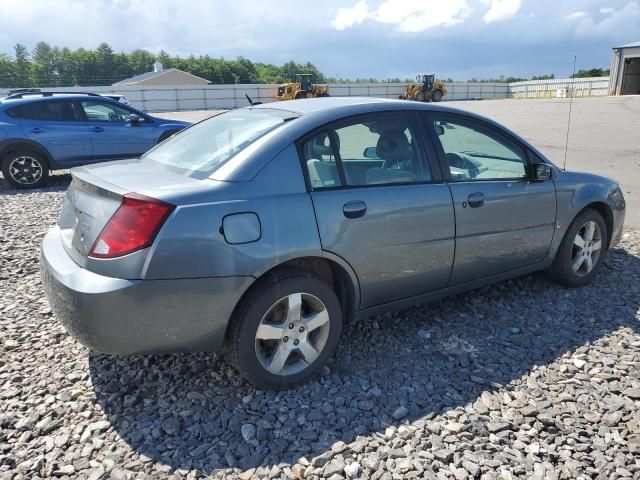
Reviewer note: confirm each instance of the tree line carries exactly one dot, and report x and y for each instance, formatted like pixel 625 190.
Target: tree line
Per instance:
pixel 47 66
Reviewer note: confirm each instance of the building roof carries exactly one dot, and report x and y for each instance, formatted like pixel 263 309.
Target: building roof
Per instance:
pixel 147 75
pixel 630 45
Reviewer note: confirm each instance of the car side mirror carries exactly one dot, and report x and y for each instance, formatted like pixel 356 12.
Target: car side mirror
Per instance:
pixel 542 171
pixel 371 153
pixel 134 119
pixel 439 129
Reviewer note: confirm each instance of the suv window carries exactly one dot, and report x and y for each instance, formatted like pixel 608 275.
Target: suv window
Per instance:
pixel 377 149
pixel 54 110
pixel 472 152
pixel 97 111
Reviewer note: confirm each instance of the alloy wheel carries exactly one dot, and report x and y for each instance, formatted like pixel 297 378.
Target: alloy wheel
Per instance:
pixel 587 247
pixel 292 334
pixel 25 170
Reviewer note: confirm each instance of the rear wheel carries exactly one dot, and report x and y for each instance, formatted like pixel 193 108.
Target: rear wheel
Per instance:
pixel 300 95
pixel 436 96
pixel 323 94
pixel 285 330
pixel 582 250
pixel 25 169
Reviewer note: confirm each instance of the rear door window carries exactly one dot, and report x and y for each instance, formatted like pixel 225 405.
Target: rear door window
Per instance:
pixel 51 111
pixel 376 149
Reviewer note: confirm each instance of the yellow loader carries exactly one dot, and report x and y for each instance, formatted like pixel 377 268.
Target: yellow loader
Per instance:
pixel 426 89
pixel 301 87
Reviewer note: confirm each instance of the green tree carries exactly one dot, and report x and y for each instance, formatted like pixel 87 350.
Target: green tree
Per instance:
pixel 592 72
pixel 23 66
pixel 7 71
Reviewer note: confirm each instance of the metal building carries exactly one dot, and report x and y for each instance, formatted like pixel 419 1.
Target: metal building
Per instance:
pixel 624 78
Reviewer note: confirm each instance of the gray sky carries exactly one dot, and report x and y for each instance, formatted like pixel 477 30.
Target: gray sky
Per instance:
pixel 346 38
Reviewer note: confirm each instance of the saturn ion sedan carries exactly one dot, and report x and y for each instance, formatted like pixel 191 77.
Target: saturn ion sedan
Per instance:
pixel 263 230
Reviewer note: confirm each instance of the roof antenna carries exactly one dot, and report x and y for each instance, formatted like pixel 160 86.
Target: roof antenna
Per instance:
pixel 566 143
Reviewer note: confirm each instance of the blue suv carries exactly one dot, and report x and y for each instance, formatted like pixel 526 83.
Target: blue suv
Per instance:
pixel 44 131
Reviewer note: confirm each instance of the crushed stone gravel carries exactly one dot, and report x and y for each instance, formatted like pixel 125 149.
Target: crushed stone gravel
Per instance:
pixel 523 379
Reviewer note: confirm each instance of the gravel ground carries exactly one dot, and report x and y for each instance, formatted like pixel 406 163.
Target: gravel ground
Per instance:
pixel 523 379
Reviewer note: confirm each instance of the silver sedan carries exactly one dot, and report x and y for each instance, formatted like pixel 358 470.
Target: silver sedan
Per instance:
pixel 263 230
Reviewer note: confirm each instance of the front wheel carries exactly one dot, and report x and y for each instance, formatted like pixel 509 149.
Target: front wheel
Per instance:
pixel 25 169
pixel 582 250
pixel 285 330
pixel 437 96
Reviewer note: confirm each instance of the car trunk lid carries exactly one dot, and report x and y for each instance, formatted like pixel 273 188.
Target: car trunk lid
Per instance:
pixel 96 193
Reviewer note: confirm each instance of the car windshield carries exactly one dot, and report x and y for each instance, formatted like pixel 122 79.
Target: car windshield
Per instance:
pixel 203 148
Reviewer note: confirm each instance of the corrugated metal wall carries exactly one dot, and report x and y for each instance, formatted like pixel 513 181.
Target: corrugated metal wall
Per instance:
pixel 560 88
pixel 618 67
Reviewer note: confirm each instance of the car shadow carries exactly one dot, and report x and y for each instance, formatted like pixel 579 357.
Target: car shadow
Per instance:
pixel 57 182
pixel 187 411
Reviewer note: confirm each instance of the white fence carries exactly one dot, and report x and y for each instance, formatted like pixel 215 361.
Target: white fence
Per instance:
pixel 171 98
pixel 560 87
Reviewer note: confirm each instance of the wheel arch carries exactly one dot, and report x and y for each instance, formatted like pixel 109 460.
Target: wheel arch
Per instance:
pixel 331 269
pixel 166 134
pixel 607 214
pixel 13 145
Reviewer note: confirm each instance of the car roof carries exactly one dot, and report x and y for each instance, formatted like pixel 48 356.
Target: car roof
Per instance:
pixel 313 113
pixel 309 106
pixel 36 97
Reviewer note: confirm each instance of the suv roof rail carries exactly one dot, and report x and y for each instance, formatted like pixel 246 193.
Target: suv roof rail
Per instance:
pixel 47 94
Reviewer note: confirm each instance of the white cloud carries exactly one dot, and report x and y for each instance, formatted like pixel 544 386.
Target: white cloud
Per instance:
pixel 576 15
pixel 606 10
pixel 501 10
pixel 348 17
pixel 406 15
pixel 413 16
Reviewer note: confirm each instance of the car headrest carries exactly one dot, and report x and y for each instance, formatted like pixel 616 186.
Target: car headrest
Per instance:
pixel 321 145
pixel 393 146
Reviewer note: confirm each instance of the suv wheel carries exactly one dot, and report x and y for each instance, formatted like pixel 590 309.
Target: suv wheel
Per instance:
pixel 582 250
pixel 25 169
pixel 285 330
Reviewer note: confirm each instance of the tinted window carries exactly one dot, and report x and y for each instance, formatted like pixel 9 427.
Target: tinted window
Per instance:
pixel 474 153
pixel 375 150
pixel 58 110
pixel 204 147
pixel 97 111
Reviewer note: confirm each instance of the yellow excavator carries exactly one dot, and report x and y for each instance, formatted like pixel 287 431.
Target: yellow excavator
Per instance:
pixel 426 89
pixel 301 87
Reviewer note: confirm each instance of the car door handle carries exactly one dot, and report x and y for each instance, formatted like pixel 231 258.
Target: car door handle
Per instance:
pixel 476 200
pixel 97 129
pixel 355 209
pixel 37 130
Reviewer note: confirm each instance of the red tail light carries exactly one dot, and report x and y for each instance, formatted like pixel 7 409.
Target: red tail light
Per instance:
pixel 133 227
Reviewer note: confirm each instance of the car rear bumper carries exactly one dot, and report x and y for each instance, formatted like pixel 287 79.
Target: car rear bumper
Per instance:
pixel 117 316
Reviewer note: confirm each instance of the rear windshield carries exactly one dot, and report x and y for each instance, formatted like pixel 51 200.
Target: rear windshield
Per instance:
pixel 203 148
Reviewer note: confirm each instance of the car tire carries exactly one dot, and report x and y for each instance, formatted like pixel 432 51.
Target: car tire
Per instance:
pixel 563 270
pixel 269 345
pixel 166 135
pixel 25 169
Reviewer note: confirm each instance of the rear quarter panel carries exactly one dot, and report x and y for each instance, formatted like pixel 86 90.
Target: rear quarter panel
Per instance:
pixel 192 244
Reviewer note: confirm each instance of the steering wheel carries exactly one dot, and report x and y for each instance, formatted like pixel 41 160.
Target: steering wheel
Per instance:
pixel 456 161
